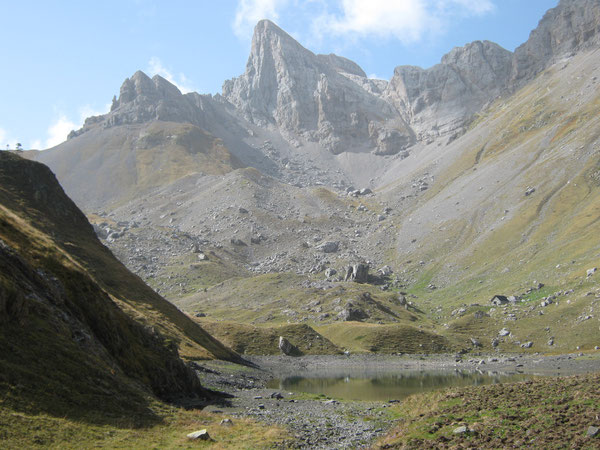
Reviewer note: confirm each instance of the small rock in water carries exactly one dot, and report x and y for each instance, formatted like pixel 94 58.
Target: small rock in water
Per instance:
pixel 201 435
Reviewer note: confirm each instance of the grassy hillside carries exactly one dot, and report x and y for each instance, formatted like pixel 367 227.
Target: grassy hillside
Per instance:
pixel 86 350
pixel 32 200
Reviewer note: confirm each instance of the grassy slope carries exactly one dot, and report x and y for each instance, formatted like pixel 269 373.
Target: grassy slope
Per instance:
pixel 488 238
pixel 75 369
pixel 31 192
pixel 543 413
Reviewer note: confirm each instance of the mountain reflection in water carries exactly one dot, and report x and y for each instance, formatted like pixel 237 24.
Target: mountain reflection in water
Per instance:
pixel 389 386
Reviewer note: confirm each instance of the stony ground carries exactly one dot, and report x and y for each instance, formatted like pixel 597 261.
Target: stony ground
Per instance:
pixel 319 422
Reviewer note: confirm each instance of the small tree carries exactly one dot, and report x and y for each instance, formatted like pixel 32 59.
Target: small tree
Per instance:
pixel 19 147
pixel 7 147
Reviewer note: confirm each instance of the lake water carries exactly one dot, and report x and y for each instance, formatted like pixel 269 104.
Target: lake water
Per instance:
pixel 383 387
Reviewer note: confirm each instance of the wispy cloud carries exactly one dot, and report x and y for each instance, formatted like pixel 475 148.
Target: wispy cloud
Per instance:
pixel 249 12
pixel 62 125
pixel 408 21
pixel 59 130
pixel 156 67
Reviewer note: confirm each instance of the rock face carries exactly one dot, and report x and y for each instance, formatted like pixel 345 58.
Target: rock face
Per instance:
pixel 302 94
pixel 572 25
pixel 437 101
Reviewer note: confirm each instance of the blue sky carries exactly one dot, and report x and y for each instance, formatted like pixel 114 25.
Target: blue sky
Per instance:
pixel 65 60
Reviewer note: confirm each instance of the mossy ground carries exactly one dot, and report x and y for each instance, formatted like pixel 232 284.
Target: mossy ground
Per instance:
pixel 540 413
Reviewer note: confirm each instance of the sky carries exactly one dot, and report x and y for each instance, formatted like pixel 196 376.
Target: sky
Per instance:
pixel 65 60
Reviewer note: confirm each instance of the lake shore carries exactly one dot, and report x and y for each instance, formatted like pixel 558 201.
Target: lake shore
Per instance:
pixel 319 422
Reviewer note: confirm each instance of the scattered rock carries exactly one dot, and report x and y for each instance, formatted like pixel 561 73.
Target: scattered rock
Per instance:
pixel 476 342
pixel 385 271
pixel 329 247
pixel 226 423
pixel 238 242
pixel 201 435
pixel 503 332
pixel 461 430
pixel 330 272
pixel 529 191
pixel 592 431
pixel 528 344
pixel 352 313
pixel 591 271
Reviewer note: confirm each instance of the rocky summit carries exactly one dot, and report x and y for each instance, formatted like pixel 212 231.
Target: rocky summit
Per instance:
pixel 311 212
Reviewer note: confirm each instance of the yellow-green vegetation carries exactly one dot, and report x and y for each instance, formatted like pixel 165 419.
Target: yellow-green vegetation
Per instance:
pixel 45 227
pixel 506 240
pixel 282 297
pixel 161 426
pixel 388 338
pixel 540 413
pixel 264 340
pixel 86 349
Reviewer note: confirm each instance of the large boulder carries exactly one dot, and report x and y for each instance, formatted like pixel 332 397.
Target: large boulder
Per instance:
pixel 358 273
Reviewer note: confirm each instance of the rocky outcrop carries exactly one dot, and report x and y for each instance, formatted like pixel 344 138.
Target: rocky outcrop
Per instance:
pixel 571 26
pixel 440 100
pixel 287 87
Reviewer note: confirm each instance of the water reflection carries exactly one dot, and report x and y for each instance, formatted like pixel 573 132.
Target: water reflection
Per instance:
pixel 379 387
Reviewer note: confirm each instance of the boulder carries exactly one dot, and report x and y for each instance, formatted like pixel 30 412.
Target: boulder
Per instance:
pixel 385 271
pixel 359 273
pixel 201 435
pixel 330 272
pixel 286 347
pixel 475 342
pixel 352 313
pixel 328 247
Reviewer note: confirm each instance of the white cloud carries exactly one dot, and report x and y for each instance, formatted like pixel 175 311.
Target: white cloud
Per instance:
pixel 409 21
pixel 249 12
pixel 63 125
pixel 156 67
pixel 58 131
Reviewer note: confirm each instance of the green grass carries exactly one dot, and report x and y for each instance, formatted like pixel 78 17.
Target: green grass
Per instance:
pixel 543 413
